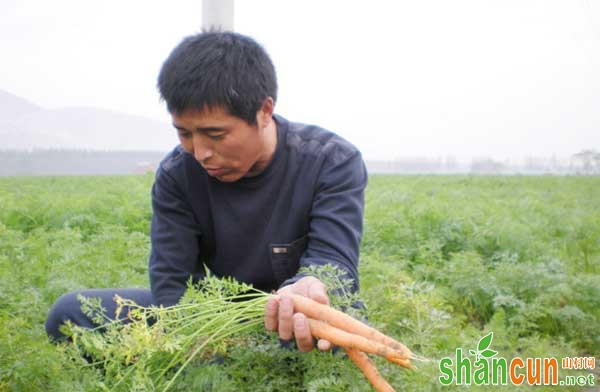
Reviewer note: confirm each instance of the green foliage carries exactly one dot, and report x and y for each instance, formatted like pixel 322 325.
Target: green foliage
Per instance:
pixel 445 261
pixel 147 348
pixel 340 289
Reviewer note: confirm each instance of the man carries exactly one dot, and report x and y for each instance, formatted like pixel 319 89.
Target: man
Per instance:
pixel 247 193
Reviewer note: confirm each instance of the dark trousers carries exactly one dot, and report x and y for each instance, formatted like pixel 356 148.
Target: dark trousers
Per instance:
pixel 68 307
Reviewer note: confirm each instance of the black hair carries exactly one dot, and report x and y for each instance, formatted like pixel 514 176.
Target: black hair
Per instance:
pixel 218 69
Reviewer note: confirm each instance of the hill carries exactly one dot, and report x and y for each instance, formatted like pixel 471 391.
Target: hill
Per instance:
pixel 12 107
pixel 25 126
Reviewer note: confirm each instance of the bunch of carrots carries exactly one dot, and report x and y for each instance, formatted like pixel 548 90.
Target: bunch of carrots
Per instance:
pixel 156 352
pixel 356 338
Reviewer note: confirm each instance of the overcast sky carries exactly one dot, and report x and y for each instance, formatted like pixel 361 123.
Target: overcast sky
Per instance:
pixel 506 79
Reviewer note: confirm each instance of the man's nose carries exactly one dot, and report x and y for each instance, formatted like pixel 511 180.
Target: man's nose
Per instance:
pixel 202 148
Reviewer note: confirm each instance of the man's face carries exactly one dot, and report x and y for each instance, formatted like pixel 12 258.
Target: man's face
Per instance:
pixel 226 146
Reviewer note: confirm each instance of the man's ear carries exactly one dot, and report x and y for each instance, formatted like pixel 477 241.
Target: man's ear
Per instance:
pixel 264 116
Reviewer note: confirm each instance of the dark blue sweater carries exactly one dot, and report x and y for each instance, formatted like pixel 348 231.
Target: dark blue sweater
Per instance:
pixel 305 208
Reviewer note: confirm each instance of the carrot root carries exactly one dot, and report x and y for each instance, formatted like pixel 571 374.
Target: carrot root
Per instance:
pixel 317 311
pixel 323 330
pixel 362 361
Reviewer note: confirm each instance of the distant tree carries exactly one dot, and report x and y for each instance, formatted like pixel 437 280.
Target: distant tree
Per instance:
pixel 588 161
pixel 451 164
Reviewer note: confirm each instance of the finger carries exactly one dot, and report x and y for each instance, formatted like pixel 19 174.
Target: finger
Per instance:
pixel 271 311
pixel 300 288
pixel 318 292
pixel 324 345
pixel 304 339
pixel 285 290
pixel 285 313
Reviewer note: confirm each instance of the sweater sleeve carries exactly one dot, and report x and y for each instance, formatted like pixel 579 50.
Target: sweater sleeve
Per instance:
pixel 175 239
pixel 336 217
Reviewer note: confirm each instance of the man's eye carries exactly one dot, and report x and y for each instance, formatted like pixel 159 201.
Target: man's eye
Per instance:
pixel 216 137
pixel 185 135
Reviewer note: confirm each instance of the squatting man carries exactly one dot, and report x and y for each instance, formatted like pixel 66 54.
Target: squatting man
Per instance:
pixel 246 193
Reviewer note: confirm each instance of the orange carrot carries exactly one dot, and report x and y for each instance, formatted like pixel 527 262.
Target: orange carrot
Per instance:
pixel 323 330
pixel 368 368
pixel 341 320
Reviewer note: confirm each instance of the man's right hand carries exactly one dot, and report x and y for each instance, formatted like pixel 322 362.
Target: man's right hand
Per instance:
pixel 280 316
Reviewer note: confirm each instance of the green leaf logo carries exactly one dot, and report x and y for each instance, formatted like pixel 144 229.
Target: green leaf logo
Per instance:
pixel 483 347
pixel 488 353
pixel 485 341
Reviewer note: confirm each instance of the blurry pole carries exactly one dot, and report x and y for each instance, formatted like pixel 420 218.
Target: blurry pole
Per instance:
pixel 217 14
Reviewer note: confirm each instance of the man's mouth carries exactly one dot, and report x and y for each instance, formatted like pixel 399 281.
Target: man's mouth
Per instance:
pixel 215 172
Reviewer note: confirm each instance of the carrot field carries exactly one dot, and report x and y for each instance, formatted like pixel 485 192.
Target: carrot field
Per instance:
pixel 445 260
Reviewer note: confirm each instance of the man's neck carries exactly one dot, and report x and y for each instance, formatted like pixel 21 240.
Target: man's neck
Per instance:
pixel 270 142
